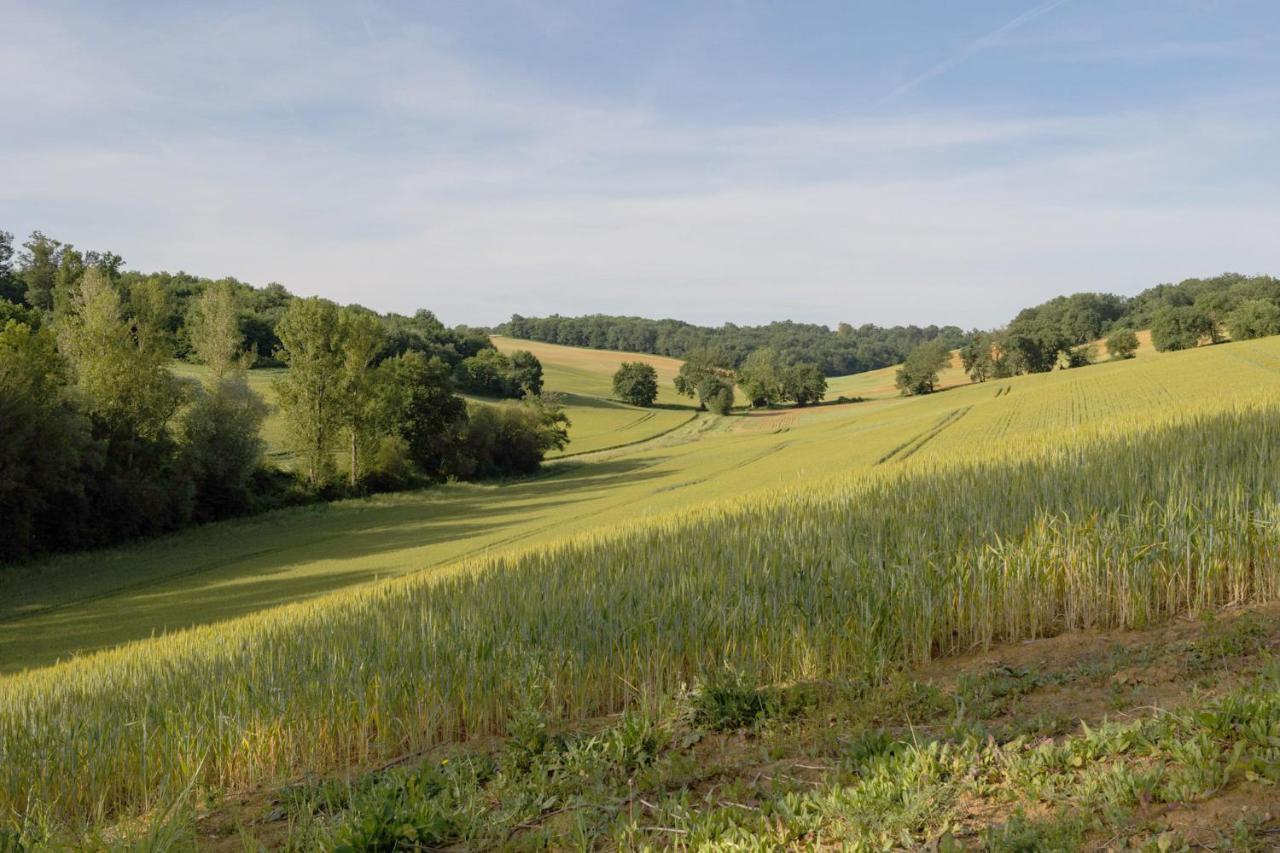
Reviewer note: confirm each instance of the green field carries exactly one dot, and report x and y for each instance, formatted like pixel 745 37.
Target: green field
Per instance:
pixel 837 541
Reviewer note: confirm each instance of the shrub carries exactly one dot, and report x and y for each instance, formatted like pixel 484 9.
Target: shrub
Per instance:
pixel 636 383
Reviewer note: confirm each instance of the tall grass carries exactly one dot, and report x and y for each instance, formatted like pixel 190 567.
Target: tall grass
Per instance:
pixel 1113 526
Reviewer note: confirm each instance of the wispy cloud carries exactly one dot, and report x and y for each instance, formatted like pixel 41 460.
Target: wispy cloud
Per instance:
pixel 409 174
pixel 974 47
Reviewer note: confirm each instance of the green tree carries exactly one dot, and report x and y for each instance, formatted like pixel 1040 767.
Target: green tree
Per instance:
pixel 716 393
pixel 419 407
pixel 221 430
pixel 360 339
pixel 221 440
pixel 1254 318
pixel 213 328
pixel 38 267
pixel 702 374
pixel 11 287
pixel 120 369
pixel 1177 327
pixel 526 374
pixel 978 358
pixel 761 377
pixel 803 383
pixel 636 382
pixel 44 445
pixel 310 392
pixel 1122 343
pixel 919 373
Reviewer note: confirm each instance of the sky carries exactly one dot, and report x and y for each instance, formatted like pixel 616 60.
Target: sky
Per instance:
pixel 888 162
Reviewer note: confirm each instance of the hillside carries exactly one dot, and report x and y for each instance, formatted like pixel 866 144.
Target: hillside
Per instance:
pixel 1110 496
pixel 585 378
pixel 91 601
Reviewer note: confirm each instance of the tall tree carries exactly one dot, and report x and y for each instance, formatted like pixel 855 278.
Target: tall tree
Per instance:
pixel 213 327
pixel 11 287
pixel 120 372
pixel 761 377
pixel 311 390
pixel 803 383
pixel 39 269
pixel 361 339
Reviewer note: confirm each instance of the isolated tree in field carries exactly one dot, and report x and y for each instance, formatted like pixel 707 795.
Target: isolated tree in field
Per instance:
pixel 1122 343
pixel 636 383
pixel 1254 318
pixel 760 377
pixel 360 339
pixel 213 328
pixel 1178 327
pixel 919 373
pixel 696 377
pixel 311 391
pixel 803 383
pixel 526 374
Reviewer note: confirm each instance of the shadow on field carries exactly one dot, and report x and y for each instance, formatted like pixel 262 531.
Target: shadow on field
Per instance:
pixel 99 599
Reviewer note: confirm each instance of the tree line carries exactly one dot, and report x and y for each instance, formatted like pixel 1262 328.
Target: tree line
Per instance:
pixel 1062 333
pixel 835 353
pixel 100 441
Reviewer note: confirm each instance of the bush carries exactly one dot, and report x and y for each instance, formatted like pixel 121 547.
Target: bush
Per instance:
pixel 636 383
pixel 716 393
pixel 1122 343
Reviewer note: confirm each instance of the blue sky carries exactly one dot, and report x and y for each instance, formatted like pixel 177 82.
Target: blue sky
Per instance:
pixel 889 162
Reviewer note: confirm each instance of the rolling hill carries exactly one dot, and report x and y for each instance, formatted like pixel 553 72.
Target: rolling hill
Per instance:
pixel 1113 496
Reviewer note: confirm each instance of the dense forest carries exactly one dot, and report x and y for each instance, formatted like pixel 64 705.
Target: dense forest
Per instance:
pixel 836 353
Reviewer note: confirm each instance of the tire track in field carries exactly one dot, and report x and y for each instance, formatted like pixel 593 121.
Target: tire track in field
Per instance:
pixel 919 440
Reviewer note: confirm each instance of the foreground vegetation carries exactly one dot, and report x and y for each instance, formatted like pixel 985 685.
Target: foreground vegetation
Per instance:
pixel 1122 525
pixel 1155 740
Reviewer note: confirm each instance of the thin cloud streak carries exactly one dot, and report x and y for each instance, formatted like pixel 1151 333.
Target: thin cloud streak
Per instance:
pixel 976 46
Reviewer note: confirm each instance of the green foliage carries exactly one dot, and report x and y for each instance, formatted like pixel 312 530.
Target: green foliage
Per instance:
pixel 213 329
pixel 1254 318
pixel 508 438
pixel 729 700
pixel 836 353
pixel 494 374
pixel 44 441
pixel 1179 327
pixel 419 406
pixel 636 382
pixel 715 393
pixel 1122 344
pixel 222 447
pixel 919 373
pixel 704 375
pixel 311 338
pixel 803 383
pixel 761 377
